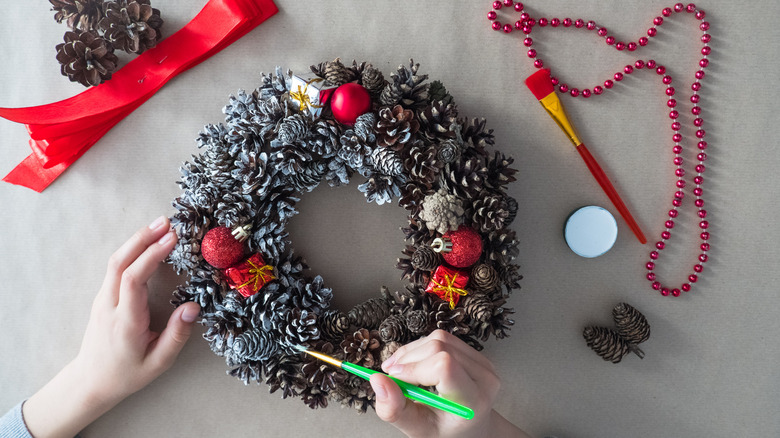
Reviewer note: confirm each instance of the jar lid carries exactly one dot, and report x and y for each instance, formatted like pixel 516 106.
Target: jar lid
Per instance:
pixel 590 231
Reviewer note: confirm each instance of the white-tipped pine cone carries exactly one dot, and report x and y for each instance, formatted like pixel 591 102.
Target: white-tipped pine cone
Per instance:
pixel 442 211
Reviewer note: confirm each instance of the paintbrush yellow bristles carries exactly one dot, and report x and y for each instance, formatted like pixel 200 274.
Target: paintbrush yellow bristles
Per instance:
pixel 324 357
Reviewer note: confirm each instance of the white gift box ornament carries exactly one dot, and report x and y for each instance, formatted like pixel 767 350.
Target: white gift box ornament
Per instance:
pixel 310 92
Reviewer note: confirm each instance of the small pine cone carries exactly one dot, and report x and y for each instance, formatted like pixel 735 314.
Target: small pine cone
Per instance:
pixel 309 177
pixel 391 94
pixel 257 345
pixel 131 25
pixel 489 212
pixel 438 120
pixel 86 58
pixel 631 324
pixel 422 164
pixel 451 320
pixel 607 343
pixel 394 329
pixel 417 321
pixel 449 151
pixel 511 207
pixel 395 127
pixel 292 128
pixel 337 73
pixel 388 350
pixel 364 127
pixel 387 161
pixel 442 211
pixel 370 313
pixel 80 15
pixel 479 307
pixel 484 278
pixel 437 92
pixel 425 258
pixel 333 324
pixel 362 347
pixel 373 80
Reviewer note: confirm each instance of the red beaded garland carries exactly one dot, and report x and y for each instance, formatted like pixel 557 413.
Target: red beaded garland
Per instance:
pixel 527 24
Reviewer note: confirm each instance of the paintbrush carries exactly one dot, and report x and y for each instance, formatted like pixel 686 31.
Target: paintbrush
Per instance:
pixel 541 85
pixel 410 391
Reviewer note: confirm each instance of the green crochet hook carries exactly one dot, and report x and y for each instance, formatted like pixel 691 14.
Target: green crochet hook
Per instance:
pixel 410 391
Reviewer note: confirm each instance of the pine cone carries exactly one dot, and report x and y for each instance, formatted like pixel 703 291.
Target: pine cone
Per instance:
pixel 499 174
pixel 484 278
pixel 418 277
pixel 381 188
pixel 300 326
pixel 80 15
pixel 395 127
pixel 292 128
pixel 406 88
pixel 393 328
pixel 362 347
pixel 478 307
pixel 501 246
pixel 465 178
pixel 373 80
pixel 388 350
pixel 387 161
pixel 256 345
pixel 337 73
pixel 511 206
pixel 631 324
pixel 439 121
pixel 391 95
pixel 131 25
pixel 449 151
pixel 437 92
pixel 442 211
pixel 364 127
pixel 370 313
pixel 422 165
pixel 86 58
pixel 607 343
pixel 333 324
pixel 320 374
pixel 489 211
pixel 285 374
pixel 451 320
pixel 417 321
pixel 425 258
pixel 354 151
pixel 309 177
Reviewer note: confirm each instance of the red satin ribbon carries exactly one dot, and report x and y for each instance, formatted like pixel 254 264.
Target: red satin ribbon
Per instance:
pixel 61 132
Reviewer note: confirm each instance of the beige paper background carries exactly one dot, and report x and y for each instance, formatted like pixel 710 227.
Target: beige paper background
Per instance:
pixel 711 368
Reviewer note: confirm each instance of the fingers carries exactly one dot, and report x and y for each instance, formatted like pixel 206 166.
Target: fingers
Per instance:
pixel 391 406
pixel 130 251
pixel 133 290
pixel 167 347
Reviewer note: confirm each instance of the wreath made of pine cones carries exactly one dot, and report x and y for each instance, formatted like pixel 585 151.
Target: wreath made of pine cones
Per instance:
pixel 275 145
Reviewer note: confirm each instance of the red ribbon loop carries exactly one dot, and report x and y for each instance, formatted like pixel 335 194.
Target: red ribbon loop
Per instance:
pixel 63 131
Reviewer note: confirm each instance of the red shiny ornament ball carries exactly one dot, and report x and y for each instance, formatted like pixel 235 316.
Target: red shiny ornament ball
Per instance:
pixel 220 249
pixel 466 247
pixel 349 102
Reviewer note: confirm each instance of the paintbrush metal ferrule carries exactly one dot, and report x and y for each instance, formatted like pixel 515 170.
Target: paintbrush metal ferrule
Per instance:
pixel 552 103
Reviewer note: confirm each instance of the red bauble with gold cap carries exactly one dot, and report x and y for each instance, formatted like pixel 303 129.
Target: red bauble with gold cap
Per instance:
pixel 462 247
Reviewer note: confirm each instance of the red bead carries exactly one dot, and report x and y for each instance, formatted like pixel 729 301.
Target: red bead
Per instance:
pixel 698 191
pixel 686 287
pixel 349 102
pixel 538 63
pixel 700 168
pixel 696 86
pixel 675 292
pixel 699 74
pixel 679 194
pixel 678 160
pixel 698 202
pixel 666 80
pixel 650 276
pixel 679 172
pixel 666 235
pixel 586 93
pixel 650 266
pixel 701 133
pixel 702 145
pixel 676 202
pixel 564 88
pixel 598 89
pixel 631 46
pixel 705 26
pixel 660 245
pixel 671 103
pixel 705 235
pixel 518 6
pixel 666 12
pixel 528 42
pixel 220 249
pixel 651 62
pixel 497 4
pixel 620 45
pixel 698 121
pixel 492 15
pixel 554 22
pixel 702 213
pixel 543 22
pixel 639 64
pixel 658 21
pixel 643 41
pixel 660 70
pixel 665 291
pixel 705 246
pixel 704 63
pixel 673 114
pixel 508 3
pixel 669 224
pixel 554 80
pixel 602 31
pixel 654 255
pixel 579 23
pixel 706 50
pixel 670 91
pixel 693 278
pixel 673 213
pixel 706 38
pixel 656 285
pixel 518 24
pixel 532 53
pixel 703 258
pixel 618 76
pixel 610 40
pixel 590 25
pixel 628 69
pixel 496 25
pixel 608 83
pixel 676 138
pixel 651 32
pixel 704 225
pixel 507 28
pixel 698 180
pixel 690 7
pixel 680 184
pixel 574 92
pixel 679 7
pixel 676 127
pixel 567 22
pixel 698 268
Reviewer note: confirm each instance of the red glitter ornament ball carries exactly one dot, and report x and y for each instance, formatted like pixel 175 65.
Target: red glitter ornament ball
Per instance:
pixel 220 249
pixel 349 102
pixel 466 247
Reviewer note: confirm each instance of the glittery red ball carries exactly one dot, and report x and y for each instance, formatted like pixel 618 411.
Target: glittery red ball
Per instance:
pixel 220 249
pixel 349 102
pixel 466 247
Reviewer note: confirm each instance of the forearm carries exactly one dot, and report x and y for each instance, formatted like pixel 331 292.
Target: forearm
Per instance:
pixel 501 428
pixel 63 407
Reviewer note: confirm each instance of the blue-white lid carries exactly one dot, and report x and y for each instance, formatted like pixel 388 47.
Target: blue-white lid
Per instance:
pixel 590 231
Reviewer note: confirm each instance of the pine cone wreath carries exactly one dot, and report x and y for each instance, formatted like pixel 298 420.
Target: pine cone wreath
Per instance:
pixel 86 58
pixel 362 347
pixel 79 15
pixel 631 324
pixel 131 25
pixel 606 342
pixel 395 127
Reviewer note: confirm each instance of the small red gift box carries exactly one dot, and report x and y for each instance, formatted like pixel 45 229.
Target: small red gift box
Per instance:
pixel 249 276
pixel 448 284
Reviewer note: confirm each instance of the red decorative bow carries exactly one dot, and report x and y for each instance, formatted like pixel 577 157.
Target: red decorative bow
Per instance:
pixel 63 131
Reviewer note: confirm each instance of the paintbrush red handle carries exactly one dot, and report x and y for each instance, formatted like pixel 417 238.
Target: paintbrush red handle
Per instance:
pixel 609 189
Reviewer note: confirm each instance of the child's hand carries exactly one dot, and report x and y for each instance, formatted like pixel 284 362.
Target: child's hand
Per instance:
pixel 119 354
pixel 459 373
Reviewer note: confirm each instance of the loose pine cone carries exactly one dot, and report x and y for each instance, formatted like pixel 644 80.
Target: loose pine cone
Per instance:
pixel 417 321
pixel 395 127
pixel 362 347
pixel 607 343
pixel 80 15
pixel 337 73
pixel 394 329
pixel 370 313
pixel 86 58
pixel 257 345
pixel 484 278
pixel 442 211
pixel 425 258
pixel 373 80
pixel 631 324
pixel 131 25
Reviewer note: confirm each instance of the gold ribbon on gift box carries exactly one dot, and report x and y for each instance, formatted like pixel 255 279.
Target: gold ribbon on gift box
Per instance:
pixel 303 99
pixel 260 275
pixel 449 290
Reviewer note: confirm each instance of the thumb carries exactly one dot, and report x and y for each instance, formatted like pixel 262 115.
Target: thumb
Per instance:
pixel 175 335
pixel 411 418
